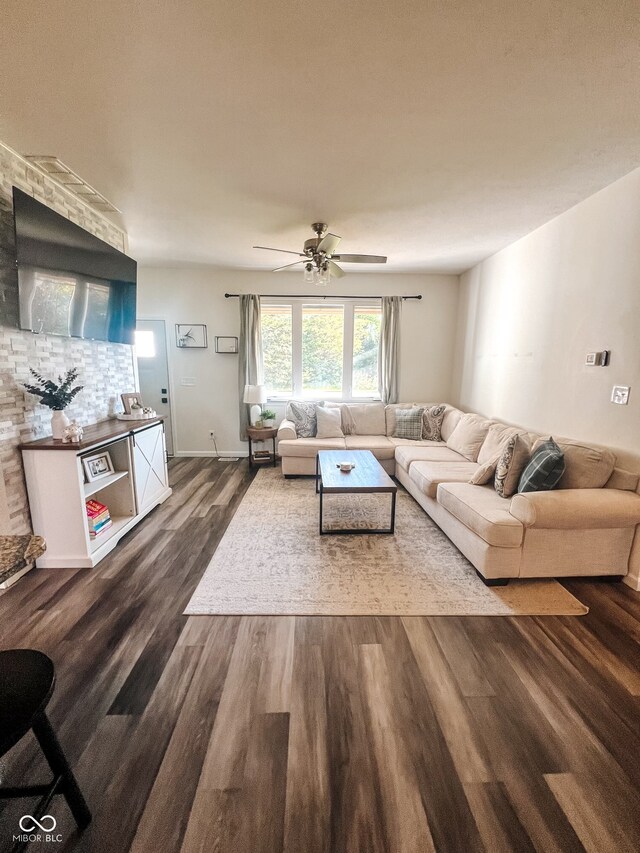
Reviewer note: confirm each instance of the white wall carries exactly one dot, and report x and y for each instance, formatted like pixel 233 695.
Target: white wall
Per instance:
pixel 529 314
pixel 196 295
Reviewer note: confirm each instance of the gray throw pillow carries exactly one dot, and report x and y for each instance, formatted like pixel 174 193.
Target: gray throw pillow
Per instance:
pixel 544 470
pixel 303 415
pixel 409 424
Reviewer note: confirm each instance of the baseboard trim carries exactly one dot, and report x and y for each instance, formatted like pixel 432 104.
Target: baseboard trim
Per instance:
pixel 211 454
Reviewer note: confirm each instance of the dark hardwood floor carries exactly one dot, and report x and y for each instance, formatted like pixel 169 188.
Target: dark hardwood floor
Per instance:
pixel 263 734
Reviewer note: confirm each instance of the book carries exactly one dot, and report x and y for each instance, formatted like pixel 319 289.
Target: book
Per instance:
pixel 98 517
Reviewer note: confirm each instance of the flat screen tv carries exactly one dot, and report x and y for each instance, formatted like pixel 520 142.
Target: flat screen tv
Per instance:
pixel 69 282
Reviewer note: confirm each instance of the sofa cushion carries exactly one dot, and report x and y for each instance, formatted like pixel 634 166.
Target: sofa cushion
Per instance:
pixel 543 471
pixel 586 467
pixel 390 415
pixel 450 421
pixel 469 435
pixel 483 511
pixel 432 422
pixel 406 454
pixel 485 473
pixel 511 464
pixel 428 475
pixel 495 441
pixel 379 445
pixel 329 422
pixel 364 418
pixel 406 442
pixel 409 424
pixel 308 447
pixel 303 415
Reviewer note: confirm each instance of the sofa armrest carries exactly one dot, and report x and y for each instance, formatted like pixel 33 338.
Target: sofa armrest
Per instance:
pixel 286 430
pixel 575 509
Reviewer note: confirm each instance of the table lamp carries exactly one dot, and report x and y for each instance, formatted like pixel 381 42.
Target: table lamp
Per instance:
pixel 255 396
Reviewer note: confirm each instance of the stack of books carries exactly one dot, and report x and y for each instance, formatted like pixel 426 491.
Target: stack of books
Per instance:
pixel 99 518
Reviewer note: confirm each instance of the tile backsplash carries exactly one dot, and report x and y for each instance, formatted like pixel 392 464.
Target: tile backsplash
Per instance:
pixel 106 369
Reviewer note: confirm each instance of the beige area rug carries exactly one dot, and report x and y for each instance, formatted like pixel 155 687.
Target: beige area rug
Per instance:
pixel 272 561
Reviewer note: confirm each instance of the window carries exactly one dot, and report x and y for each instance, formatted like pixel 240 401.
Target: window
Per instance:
pixel 320 350
pixel 145 344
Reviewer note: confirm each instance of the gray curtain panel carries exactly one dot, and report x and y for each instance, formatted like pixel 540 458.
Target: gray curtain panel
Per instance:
pixel 389 349
pixel 250 351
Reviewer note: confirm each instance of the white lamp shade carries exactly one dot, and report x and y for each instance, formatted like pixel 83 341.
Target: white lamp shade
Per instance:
pixel 255 394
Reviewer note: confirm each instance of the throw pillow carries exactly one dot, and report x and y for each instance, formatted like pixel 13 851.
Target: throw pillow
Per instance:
pixel 485 473
pixel 409 424
pixel 544 469
pixel 303 416
pixel 468 436
pixel 328 422
pixel 511 464
pixel 432 423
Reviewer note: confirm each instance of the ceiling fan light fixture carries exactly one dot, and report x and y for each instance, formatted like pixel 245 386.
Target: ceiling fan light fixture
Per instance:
pixel 309 273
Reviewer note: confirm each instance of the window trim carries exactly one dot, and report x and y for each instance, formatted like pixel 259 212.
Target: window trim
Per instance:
pixel 348 306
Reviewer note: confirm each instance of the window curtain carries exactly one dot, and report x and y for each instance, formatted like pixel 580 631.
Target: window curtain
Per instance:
pixel 389 349
pixel 250 351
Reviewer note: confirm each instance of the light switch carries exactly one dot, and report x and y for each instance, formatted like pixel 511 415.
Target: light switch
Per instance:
pixel 620 394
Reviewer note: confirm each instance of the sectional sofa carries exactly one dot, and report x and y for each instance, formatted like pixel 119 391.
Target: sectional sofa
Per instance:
pixel 588 525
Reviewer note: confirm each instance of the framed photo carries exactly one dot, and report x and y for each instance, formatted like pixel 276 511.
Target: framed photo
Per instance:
pixel 226 344
pixel 129 399
pixel 191 336
pixel 97 466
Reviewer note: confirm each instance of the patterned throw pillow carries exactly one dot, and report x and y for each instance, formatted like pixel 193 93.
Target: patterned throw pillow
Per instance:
pixel 304 417
pixel 409 424
pixel 544 470
pixel 510 465
pixel 432 423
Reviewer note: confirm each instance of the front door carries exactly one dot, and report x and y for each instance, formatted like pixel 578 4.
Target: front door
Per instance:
pixel 153 371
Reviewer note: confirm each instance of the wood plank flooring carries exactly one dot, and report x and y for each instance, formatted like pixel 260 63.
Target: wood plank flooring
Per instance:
pixel 332 734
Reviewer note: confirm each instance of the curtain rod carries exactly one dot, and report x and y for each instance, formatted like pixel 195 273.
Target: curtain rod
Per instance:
pixel 315 296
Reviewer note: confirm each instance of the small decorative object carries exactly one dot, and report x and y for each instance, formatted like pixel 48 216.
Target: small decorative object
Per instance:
pixel 72 433
pixel 226 345
pixel 268 418
pixel 98 466
pixel 255 396
pixel 191 335
pixel 56 397
pixel 131 401
pixel 345 467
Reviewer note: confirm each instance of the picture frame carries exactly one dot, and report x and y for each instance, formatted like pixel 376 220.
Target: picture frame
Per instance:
pixel 227 344
pixel 97 466
pixel 191 336
pixel 128 399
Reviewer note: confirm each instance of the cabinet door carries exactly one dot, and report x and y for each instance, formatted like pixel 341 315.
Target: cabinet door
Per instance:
pixel 150 466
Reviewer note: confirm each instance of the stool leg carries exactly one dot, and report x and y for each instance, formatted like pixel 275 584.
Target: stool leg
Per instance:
pixel 53 753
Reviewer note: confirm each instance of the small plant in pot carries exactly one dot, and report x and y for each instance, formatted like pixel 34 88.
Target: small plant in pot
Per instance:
pixel 56 397
pixel 268 418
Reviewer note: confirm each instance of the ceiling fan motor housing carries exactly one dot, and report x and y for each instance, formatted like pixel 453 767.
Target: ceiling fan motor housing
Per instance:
pixel 311 245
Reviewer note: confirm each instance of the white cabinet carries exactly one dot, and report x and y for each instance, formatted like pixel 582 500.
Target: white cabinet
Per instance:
pixel 57 489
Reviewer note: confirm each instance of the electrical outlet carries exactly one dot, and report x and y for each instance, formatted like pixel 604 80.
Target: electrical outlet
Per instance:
pixel 212 434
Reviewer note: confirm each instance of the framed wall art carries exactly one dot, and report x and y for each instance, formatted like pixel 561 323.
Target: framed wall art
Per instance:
pixel 226 344
pixel 191 336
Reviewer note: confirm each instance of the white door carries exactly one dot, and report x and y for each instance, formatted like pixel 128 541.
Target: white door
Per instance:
pixel 149 465
pixel 153 371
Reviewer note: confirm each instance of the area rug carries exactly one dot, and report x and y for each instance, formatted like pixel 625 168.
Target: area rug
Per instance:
pixel 272 561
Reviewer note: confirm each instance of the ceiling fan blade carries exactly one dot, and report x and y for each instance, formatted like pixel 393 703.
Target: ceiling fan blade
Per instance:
pixel 288 251
pixel 336 272
pixel 286 266
pixel 361 259
pixel 329 244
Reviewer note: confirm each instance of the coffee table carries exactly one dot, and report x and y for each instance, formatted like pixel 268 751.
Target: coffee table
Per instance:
pixel 367 477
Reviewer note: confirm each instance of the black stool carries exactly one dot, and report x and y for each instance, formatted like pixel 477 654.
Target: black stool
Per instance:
pixel 27 679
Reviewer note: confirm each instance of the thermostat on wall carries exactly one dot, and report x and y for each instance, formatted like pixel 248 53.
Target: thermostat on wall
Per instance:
pixel 620 395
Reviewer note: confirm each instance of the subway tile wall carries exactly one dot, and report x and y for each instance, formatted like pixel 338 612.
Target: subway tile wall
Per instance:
pixel 106 370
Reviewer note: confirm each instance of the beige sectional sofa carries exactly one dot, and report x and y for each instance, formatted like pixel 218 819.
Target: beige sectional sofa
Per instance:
pixel 586 526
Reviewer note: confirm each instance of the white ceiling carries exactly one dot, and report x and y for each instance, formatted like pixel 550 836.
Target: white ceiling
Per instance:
pixel 434 132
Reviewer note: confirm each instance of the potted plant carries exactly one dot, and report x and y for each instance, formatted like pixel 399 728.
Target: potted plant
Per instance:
pixel 56 397
pixel 268 418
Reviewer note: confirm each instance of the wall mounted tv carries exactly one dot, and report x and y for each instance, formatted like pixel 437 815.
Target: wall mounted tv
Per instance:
pixel 69 282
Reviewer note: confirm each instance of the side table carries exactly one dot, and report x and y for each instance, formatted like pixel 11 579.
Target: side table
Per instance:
pixel 264 434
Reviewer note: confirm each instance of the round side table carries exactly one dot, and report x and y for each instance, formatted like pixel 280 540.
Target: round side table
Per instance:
pixel 263 434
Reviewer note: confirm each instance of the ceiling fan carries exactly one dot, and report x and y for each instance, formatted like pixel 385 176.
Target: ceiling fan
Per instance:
pixel 319 256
